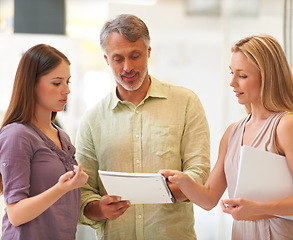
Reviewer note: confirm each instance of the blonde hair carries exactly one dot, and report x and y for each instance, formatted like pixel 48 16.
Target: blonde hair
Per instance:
pixel 267 55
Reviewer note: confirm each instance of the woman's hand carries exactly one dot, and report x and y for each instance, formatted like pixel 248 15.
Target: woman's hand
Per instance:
pixel 240 208
pixel 29 208
pixel 175 177
pixel 181 185
pixel 73 179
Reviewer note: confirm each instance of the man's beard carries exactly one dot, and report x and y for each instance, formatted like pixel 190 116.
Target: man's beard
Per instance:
pixel 135 85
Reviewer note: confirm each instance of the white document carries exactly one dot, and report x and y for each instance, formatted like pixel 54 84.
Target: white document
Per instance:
pixel 138 188
pixel 263 176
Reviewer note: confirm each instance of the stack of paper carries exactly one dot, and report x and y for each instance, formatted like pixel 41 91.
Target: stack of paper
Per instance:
pixel 263 176
pixel 138 188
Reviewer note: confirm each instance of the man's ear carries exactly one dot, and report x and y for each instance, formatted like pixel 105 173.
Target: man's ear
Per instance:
pixel 149 51
pixel 106 58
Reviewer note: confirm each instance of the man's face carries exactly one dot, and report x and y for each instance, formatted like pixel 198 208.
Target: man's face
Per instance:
pixel 128 61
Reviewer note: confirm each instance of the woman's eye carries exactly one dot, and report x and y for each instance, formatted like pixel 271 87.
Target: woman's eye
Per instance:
pixel 56 84
pixel 242 76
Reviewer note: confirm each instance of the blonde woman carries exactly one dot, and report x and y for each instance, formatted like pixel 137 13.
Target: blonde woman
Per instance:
pixel 262 81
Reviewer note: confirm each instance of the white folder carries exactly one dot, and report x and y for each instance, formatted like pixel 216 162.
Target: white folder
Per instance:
pixel 263 176
pixel 138 188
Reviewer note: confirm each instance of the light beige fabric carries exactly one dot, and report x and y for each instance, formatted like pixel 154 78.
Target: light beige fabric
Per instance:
pixel 168 129
pixel 265 229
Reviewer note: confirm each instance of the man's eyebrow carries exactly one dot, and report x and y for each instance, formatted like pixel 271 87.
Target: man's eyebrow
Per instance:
pixel 135 51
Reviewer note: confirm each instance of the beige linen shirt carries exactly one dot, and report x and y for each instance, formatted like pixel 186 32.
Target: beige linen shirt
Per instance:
pixel 167 130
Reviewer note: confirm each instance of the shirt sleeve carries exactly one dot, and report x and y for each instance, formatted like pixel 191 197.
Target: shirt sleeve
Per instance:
pixel 85 154
pixel 15 155
pixel 195 147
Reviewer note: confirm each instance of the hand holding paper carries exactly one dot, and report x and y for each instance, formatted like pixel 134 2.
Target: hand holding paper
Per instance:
pixel 138 188
pixel 263 176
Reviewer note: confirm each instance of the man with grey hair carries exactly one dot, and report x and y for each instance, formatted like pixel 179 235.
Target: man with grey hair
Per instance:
pixel 143 126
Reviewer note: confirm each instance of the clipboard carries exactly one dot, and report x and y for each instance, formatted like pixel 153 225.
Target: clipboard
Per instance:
pixel 138 188
pixel 263 176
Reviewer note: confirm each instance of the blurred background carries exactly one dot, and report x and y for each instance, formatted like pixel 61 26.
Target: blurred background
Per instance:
pixel 190 40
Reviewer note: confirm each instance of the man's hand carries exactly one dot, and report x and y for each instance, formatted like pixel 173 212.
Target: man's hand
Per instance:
pixel 109 207
pixel 112 207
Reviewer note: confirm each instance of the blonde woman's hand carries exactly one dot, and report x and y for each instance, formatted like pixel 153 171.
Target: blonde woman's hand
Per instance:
pixel 240 208
pixel 174 176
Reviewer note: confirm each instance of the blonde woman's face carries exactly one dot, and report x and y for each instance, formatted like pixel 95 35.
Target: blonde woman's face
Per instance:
pixel 245 79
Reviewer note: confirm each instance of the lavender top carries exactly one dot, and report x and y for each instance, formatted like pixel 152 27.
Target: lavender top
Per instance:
pixel 30 163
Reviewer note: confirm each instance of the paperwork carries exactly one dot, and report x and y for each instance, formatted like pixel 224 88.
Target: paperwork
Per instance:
pixel 263 176
pixel 138 188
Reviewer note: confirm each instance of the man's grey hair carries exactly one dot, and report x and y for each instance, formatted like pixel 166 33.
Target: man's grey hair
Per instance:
pixel 129 26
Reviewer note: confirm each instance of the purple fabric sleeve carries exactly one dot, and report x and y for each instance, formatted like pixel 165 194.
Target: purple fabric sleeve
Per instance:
pixel 31 163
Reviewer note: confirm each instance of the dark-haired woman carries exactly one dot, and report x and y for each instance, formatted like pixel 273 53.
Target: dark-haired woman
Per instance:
pixel 40 177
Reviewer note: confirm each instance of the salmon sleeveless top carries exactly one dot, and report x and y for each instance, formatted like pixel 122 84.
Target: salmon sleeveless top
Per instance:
pixel 264 229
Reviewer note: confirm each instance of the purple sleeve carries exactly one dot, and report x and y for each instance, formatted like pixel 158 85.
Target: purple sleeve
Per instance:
pixel 15 154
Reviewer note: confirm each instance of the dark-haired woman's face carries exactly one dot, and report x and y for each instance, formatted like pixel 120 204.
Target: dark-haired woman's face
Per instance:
pixel 52 89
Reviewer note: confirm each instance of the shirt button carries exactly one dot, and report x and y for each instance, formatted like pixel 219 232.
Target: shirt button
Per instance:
pixel 137 111
pixel 4 164
pixel 139 216
pixel 62 159
pixel 137 161
pixel 69 147
pixel 73 156
pixel 137 136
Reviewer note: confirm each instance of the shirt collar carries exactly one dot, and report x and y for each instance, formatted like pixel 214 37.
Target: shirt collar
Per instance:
pixel 155 90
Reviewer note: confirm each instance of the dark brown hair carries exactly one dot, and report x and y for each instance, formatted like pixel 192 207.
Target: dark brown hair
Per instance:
pixel 35 63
